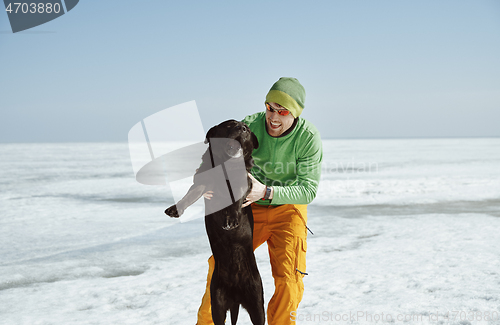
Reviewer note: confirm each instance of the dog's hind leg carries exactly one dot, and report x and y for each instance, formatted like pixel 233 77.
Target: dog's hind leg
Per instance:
pixel 257 313
pixel 254 304
pixel 234 313
pixel 218 301
pixel 218 312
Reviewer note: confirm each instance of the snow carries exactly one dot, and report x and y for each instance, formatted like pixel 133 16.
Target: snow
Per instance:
pixel 415 242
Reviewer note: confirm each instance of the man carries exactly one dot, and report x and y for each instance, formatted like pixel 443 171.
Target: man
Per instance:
pixel 284 180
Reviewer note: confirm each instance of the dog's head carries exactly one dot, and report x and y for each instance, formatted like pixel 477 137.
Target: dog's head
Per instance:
pixel 236 140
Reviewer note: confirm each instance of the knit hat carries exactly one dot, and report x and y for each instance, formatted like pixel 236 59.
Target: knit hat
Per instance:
pixel 289 93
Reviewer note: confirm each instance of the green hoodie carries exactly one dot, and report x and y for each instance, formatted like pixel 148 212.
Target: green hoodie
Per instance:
pixel 291 164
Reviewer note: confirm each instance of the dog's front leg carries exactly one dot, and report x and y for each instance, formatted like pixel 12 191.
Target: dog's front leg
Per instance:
pixel 194 193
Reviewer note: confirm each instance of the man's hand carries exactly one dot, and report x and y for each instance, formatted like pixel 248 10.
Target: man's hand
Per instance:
pixel 257 193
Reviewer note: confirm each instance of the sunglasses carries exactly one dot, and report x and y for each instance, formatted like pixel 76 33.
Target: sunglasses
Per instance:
pixel 282 112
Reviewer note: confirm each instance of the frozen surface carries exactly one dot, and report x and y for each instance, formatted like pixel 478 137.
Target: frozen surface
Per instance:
pixel 403 228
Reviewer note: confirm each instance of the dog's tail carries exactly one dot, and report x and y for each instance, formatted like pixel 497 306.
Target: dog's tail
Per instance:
pixel 235 309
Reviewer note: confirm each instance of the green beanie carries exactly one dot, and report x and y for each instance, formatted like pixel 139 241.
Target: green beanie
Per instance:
pixel 289 93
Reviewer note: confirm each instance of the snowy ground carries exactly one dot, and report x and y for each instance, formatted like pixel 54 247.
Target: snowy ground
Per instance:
pixel 412 266
pixel 87 245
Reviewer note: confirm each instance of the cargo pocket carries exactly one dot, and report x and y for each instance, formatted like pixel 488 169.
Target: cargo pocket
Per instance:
pixel 300 265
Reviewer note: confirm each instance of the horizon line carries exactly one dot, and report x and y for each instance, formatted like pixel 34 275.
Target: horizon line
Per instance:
pixel 332 138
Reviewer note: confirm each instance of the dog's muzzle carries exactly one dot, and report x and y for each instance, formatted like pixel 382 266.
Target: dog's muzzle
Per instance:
pixel 233 149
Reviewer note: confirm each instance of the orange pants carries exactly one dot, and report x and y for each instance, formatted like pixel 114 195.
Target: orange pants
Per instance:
pixel 283 228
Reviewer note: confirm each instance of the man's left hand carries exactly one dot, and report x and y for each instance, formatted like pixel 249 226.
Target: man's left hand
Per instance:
pixel 258 191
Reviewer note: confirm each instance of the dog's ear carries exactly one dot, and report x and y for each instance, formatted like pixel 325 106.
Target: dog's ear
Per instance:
pixel 254 140
pixel 211 133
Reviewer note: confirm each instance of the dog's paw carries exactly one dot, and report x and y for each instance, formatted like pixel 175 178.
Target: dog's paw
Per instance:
pixel 230 224
pixel 172 212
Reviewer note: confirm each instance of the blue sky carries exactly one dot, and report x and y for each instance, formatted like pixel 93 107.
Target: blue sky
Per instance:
pixel 371 69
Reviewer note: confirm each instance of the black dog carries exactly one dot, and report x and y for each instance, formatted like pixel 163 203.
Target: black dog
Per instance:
pixel 236 279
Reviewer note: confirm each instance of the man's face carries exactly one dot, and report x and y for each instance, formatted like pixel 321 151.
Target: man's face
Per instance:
pixel 277 124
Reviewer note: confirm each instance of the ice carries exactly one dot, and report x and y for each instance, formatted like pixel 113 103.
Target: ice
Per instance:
pixel 83 243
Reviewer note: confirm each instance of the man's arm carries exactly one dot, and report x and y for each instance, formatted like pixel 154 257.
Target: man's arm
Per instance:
pixel 308 176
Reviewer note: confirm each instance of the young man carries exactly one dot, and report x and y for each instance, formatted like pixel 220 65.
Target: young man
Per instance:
pixel 285 179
